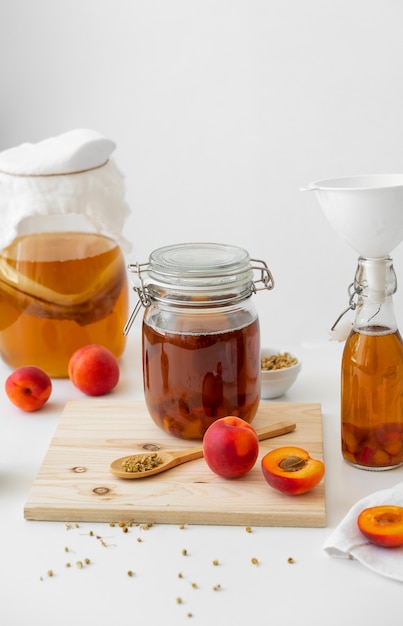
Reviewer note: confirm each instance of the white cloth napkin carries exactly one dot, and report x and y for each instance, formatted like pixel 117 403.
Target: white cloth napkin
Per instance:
pixel 347 541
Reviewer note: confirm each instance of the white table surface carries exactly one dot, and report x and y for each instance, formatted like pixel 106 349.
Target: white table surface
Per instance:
pixel 315 588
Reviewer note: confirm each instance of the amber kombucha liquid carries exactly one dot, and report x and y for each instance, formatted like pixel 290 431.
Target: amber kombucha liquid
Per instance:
pixel 190 380
pixel 58 292
pixel 372 399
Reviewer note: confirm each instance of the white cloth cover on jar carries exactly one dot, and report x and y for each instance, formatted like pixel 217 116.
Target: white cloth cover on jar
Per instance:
pixel 72 173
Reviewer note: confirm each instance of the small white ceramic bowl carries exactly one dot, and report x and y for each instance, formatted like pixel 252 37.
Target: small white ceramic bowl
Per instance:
pixel 276 382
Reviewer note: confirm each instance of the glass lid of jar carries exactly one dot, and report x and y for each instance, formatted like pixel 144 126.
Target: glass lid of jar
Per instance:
pixel 199 262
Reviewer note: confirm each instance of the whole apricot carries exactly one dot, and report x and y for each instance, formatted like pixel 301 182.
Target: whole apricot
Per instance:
pixel 28 387
pixel 94 370
pixel 230 447
pixel 291 470
pixel 382 525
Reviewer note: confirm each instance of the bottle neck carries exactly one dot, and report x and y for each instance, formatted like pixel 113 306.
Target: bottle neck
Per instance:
pixel 375 282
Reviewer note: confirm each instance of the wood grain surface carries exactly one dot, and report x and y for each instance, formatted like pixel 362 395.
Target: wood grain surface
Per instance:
pixel 74 482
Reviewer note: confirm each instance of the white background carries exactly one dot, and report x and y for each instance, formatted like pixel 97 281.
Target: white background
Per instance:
pixel 221 111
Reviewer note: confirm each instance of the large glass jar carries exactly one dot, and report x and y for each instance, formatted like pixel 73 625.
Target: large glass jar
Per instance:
pixel 63 280
pixel 200 337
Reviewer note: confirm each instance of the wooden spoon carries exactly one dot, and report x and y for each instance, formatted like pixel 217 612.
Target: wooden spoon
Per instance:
pixel 176 457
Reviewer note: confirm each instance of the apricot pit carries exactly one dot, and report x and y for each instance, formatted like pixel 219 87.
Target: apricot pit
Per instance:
pixel 292 463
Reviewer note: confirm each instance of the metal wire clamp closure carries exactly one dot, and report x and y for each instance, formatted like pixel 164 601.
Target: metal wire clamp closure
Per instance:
pixel 144 299
pixel 266 278
pixel 352 305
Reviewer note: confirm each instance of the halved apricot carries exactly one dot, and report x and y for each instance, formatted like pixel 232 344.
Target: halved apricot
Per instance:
pixel 382 525
pixel 291 470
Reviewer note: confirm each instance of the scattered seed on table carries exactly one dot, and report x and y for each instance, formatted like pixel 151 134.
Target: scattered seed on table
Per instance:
pixel 248 529
pixel 290 560
pixel 216 562
pixel 254 561
pixel 184 552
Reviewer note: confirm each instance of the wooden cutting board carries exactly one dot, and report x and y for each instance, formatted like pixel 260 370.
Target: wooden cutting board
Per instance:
pixel 74 482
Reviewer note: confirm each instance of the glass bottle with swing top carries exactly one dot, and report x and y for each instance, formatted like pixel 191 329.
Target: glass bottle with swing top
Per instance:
pixel 372 373
pixel 368 212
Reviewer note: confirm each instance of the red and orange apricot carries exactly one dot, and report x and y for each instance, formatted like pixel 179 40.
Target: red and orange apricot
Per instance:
pixel 94 370
pixel 230 447
pixel 28 387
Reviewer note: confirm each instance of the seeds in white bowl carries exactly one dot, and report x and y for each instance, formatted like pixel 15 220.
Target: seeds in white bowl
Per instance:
pixel 277 361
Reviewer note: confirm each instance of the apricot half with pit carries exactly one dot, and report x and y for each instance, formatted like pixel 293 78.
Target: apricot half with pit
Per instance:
pixel 291 470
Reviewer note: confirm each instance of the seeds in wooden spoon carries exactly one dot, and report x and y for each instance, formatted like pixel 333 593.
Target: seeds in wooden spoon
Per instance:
pixel 141 463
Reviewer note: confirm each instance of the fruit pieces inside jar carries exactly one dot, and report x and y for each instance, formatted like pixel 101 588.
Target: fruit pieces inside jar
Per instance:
pixel 190 380
pixel 51 304
pixel 376 446
pixel 187 424
pixel 38 276
pixel 371 398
